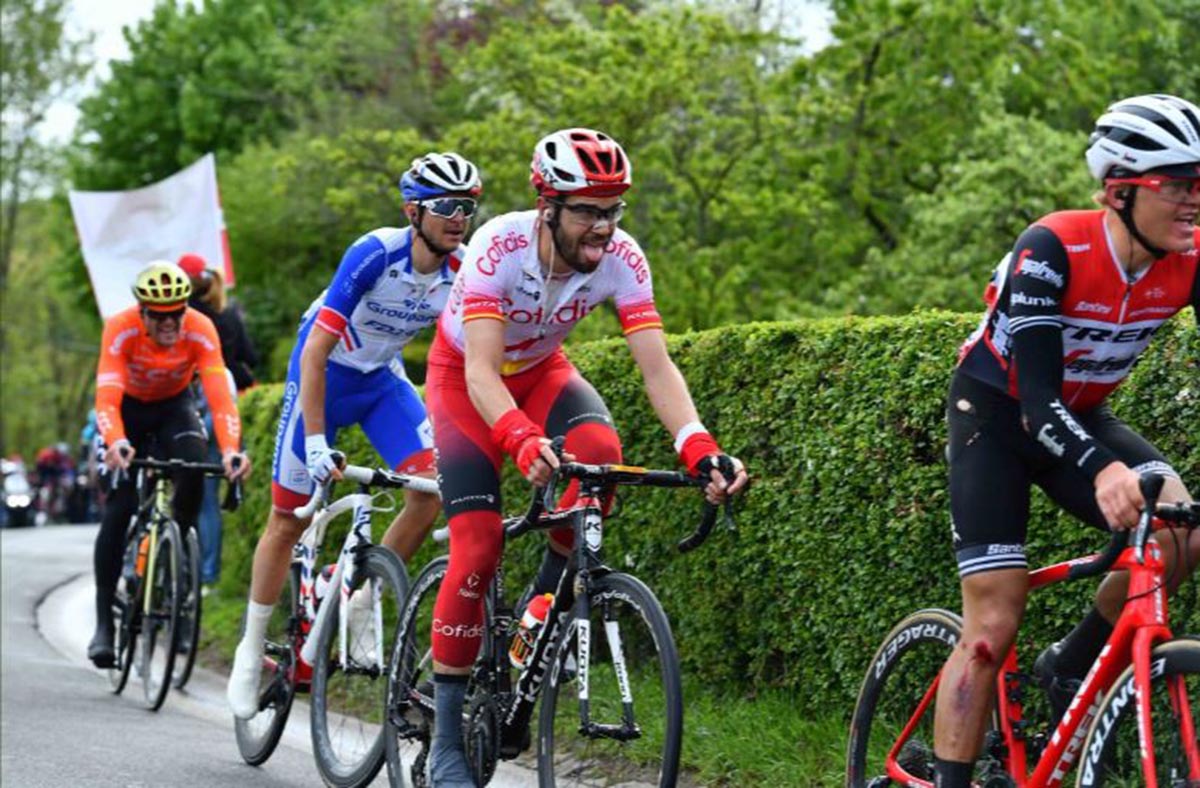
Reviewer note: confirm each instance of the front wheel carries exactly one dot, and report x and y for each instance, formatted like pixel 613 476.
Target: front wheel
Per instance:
pixel 612 706
pixel 899 690
pixel 189 612
pixel 1112 752
pixel 350 684
pixel 160 615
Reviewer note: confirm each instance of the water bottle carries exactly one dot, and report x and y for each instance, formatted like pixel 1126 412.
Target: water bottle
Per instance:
pixel 142 553
pixel 527 631
pixel 321 585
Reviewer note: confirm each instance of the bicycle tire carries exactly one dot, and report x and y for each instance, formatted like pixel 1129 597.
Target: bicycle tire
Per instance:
pixel 258 736
pixel 624 601
pixel 357 763
pixel 1110 754
pixel 190 612
pixel 934 632
pixel 160 624
pixel 126 618
pixel 409 698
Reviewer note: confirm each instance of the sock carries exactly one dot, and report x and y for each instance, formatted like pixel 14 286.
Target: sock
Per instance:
pixel 448 759
pixel 1080 648
pixel 546 580
pixel 257 618
pixel 952 774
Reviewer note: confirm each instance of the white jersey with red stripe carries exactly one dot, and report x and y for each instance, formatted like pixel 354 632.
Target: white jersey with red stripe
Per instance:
pixel 502 279
pixel 376 303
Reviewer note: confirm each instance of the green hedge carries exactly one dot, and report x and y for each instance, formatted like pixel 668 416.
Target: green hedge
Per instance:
pixel 845 528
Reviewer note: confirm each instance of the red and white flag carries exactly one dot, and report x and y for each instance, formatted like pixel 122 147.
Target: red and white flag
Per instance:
pixel 122 231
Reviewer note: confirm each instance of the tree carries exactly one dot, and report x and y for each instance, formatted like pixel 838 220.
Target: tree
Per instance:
pixel 39 64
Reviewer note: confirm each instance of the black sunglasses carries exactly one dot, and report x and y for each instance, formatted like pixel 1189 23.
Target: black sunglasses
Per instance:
pixel 447 207
pixel 174 314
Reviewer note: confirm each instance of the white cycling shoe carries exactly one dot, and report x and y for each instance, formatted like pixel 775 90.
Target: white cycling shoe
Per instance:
pixel 242 690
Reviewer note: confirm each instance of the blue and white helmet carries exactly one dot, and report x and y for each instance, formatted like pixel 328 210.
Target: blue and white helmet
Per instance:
pixel 435 174
pixel 1143 133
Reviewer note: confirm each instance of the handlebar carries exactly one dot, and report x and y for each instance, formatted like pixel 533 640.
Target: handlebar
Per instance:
pixel 367 477
pixel 233 492
pixel 1151 486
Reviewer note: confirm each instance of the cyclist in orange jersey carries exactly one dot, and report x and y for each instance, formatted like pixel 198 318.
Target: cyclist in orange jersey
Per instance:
pixel 148 356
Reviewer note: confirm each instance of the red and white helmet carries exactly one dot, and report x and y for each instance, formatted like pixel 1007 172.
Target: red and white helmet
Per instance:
pixel 1154 132
pixel 579 161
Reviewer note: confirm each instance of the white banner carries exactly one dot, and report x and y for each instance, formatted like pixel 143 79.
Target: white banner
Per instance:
pixel 122 231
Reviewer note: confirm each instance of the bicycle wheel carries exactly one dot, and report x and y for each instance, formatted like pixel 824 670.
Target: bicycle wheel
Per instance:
pixel 160 617
pixel 258 736
pixel 126 620
pixel 899 689
pixel 189 611
pixel 408 726
pixel 348 697
pixel 634 724
pixel 1111 753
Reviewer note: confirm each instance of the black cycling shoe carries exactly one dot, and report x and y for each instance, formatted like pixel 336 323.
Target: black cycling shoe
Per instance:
pixel 101 651
pixel 1060 690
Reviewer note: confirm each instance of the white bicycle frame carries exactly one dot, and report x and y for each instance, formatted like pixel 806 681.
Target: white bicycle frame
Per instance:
pixel 357 539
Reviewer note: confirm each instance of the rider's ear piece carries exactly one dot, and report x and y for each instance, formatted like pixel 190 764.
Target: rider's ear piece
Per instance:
pixel 547 214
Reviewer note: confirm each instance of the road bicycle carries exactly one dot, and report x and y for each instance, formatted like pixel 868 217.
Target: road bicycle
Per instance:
pixel 158 592
pixel 333 643
pixel 607 716
pixel 1132 721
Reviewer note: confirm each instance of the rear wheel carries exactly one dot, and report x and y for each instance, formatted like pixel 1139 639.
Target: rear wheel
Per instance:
pixel 899 689
pixel 1111 754
pixel 624 662
pixel 350 689
pixel 258 736
pixel 160 618
pixel 409 723
pixel 189 612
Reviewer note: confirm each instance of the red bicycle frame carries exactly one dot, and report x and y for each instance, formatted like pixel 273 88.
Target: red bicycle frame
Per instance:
pixel 1142 626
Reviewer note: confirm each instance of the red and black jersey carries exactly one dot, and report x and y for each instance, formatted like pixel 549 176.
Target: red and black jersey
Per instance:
pixel 1065 324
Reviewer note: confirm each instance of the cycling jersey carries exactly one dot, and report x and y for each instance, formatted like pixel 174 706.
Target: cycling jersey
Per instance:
pixel 132 364
pixel 503 280
pixel 1065 323
pixel 376 303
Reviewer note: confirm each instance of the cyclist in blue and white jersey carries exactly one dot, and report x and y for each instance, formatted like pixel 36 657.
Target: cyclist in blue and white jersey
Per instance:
pixel 345 370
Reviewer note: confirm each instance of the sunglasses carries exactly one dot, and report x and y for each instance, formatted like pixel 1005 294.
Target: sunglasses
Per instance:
pixel 174 314
pixel 593 215
pixel 448 207
pixel 1177 190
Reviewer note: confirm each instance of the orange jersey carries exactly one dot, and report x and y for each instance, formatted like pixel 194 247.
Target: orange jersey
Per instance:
pixel 132 363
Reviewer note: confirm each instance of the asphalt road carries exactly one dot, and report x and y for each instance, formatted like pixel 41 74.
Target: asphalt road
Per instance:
pixel 61 726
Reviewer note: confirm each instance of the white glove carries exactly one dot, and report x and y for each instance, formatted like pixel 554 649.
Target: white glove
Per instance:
pixel 319 458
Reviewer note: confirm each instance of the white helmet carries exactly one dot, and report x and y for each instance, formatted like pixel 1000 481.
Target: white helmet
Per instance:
pixel 435 174
pixel 1153 132
pixel 579 161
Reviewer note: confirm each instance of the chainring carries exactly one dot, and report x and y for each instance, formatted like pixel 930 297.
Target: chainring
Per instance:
pixel 482 734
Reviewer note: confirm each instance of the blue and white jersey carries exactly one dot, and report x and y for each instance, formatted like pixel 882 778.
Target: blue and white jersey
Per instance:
pixel 376 303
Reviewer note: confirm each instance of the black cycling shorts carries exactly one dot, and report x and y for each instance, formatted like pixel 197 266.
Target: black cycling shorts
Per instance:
pixel 993 462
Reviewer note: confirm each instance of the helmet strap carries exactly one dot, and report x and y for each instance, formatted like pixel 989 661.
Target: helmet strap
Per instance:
pixel 433 247
pixel 1126 214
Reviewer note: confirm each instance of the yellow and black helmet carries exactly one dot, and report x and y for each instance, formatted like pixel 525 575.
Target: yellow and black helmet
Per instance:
pixel 162 285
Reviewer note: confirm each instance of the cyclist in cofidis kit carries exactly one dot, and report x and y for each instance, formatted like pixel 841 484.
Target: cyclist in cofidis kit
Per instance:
pixel 346 369
pixel 499 383
pixel 149 353
pixel 1070 310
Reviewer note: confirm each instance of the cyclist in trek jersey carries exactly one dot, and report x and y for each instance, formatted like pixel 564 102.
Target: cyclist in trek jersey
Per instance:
pixel 1070 310
pixel 499 383
pixel 148 356
pixel 346 369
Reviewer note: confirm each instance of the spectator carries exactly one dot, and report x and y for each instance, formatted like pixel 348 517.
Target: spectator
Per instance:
pixel 209 298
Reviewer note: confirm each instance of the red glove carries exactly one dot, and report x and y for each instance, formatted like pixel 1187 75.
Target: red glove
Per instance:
pixel 519 437
pixel 697 446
